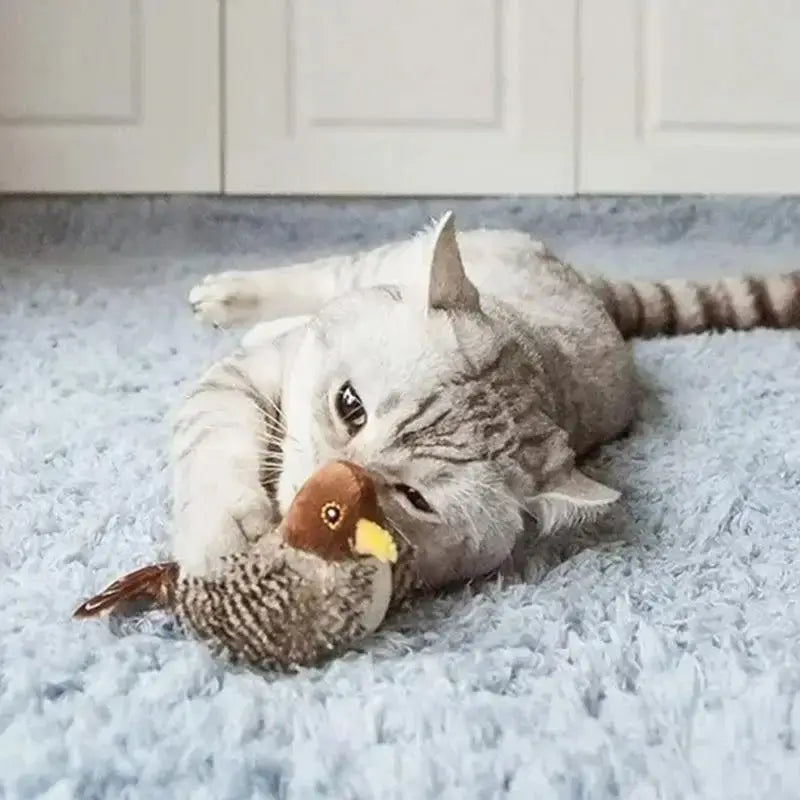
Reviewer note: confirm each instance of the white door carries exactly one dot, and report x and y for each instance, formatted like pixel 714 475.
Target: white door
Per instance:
pixel 109 96
pixel 688 96
pixel 399 96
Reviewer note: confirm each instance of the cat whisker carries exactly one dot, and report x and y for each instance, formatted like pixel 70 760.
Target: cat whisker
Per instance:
pixel 462 491
pixel 499 490
pixel 397 529
pixel 277 438
pixel 274 465
pixel 277 418
pixel 273 442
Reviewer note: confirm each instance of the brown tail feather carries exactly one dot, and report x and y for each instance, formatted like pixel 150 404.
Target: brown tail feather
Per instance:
pixel 671 307
pixel 146 588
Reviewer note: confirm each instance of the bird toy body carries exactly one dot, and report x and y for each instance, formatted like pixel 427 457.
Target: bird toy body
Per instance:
pixel 326 584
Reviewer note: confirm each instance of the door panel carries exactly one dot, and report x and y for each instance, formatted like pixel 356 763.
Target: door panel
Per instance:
pixel 109 96
pixel 399 97
pixel 681 96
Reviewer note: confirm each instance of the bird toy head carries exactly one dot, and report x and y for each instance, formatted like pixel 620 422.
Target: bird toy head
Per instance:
pixel 335 515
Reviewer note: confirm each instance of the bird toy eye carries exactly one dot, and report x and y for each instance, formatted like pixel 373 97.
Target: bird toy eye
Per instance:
pixel 332 515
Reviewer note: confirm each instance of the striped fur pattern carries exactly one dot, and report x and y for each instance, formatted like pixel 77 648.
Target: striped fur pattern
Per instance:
pixel 671 307
pixel 486 368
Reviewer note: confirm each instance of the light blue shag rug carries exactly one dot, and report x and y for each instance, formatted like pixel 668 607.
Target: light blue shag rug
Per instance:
pixel 666 665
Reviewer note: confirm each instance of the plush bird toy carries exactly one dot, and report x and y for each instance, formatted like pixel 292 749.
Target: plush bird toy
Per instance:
pixel 327 584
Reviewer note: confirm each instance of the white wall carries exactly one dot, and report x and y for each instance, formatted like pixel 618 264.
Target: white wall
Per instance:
pixel 400 96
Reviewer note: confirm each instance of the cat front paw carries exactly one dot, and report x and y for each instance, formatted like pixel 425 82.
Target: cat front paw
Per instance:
pixel 220 523
pixel 227 298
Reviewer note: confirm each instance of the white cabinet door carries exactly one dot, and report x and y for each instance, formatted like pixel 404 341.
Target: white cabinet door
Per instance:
pixel 399 96
pixel 688 96
pixel 109 96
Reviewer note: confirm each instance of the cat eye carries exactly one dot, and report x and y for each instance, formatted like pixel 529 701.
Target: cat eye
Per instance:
pixel 414 497
pixel 349 408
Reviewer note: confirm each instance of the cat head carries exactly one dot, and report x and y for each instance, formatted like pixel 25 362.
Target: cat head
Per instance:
pixel 429 393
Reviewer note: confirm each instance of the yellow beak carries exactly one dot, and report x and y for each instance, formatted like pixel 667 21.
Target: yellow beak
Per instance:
pixel 372 540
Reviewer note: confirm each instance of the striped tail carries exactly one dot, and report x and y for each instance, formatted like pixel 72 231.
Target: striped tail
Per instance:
pixel 144 589
pixel 671 307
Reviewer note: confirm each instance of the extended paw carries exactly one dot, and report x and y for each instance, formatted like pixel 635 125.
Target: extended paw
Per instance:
pixel 226 298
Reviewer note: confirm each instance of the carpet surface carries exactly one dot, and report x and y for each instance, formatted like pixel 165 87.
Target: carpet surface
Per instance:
pixel 662 660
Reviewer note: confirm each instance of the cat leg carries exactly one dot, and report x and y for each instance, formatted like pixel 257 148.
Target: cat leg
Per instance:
pixel 226 445
pixel 234 297
pixel 242 296
pixel 257 295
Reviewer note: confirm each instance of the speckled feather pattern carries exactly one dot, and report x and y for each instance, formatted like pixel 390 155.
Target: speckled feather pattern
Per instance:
pixel 273 608
pixel 277 611
pixel 280 608
pixel 665 665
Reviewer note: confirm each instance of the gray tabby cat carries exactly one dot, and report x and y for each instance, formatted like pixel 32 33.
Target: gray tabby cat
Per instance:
pixel 468 373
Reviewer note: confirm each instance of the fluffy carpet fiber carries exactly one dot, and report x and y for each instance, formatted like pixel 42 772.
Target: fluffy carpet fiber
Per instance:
pixel 660 661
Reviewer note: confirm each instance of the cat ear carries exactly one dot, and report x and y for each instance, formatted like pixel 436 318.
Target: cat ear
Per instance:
pixel 449 288
pixel 571 496
pixel 580 490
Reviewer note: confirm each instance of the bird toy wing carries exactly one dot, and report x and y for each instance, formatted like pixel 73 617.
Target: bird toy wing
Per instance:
pixel 149 586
